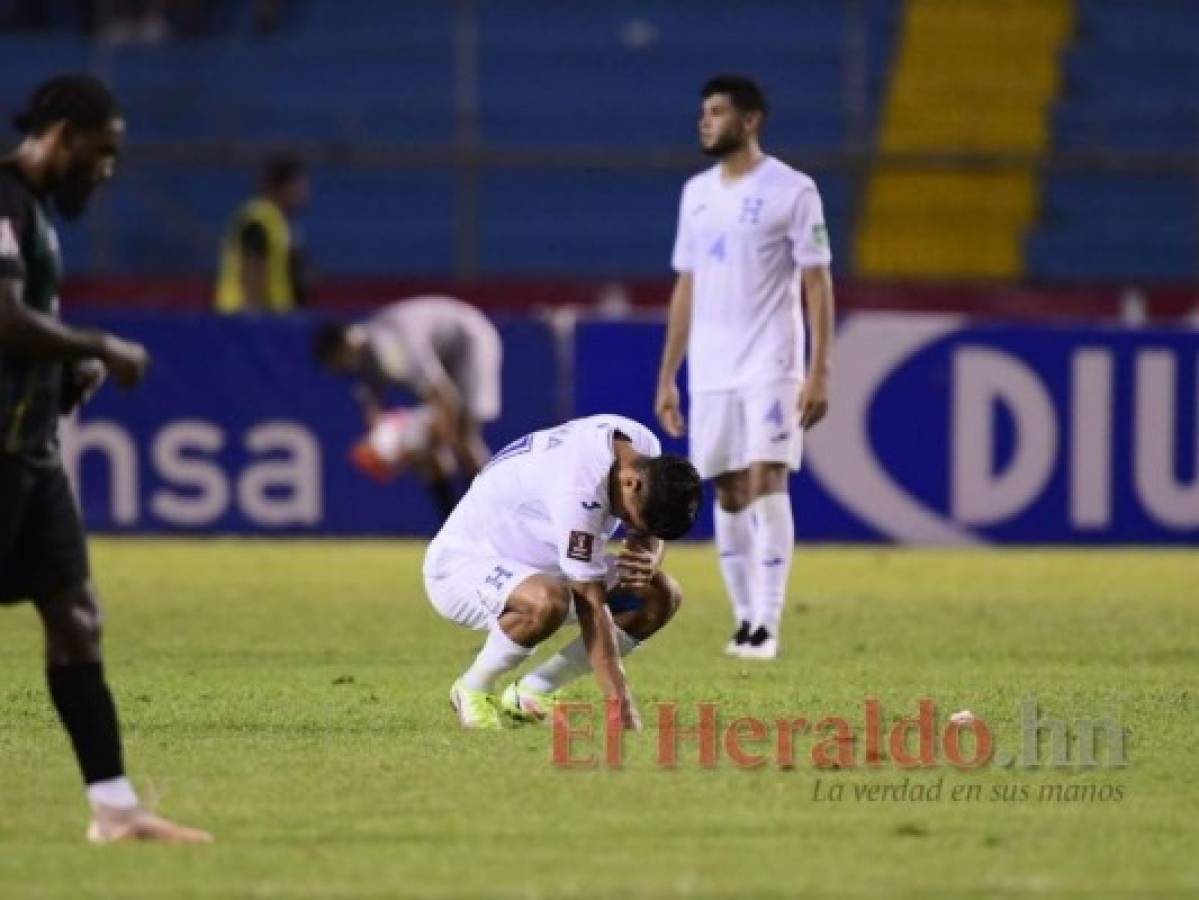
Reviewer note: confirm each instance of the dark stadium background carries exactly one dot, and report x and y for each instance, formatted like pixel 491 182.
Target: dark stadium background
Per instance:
pixel 1026 166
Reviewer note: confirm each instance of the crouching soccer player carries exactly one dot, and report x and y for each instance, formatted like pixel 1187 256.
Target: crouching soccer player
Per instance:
pixel 524 552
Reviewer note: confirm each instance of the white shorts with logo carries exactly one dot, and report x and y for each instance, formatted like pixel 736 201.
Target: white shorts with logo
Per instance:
pixel 472 589
pixel 757 423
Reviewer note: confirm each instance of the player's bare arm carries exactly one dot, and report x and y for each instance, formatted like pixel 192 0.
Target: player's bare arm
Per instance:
pixel 599 637
pixel 639 561
pixel 667 405
pixel 36 334
pixel 370 400
pixel 455 427
pixel 447 403
pixel 818 294
pixel 81 379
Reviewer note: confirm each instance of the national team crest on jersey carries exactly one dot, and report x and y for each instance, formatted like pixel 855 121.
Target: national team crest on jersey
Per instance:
pixel 581 546
pixel 751 210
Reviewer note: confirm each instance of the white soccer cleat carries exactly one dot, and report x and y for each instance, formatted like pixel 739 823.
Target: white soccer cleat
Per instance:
pixel 524 705
pixel 475 709
pixel 118 826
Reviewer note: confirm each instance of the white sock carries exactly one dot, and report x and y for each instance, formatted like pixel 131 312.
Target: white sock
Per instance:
pixel 500 654
pixel 570 662
pixel 774 544
pixel 735 543
pixel 115 793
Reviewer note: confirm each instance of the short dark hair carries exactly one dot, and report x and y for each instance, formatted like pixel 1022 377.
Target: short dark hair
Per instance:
pixel 83 101
pixel 672 495
pixel 282 169
pixel 328 340
pixel 746 94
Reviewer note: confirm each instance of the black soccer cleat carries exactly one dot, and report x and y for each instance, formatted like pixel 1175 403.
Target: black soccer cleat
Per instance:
pixel 761 645
pixel 738 641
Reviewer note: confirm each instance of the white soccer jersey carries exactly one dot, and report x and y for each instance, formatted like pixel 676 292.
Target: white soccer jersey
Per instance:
pixel 543 500
pixel 744 244
pixel 425 341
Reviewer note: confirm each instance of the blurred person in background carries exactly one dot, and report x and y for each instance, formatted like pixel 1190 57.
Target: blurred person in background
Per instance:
pixel 751 246
pixel 406 439
pixel 443 351
pixel 73 132
pixel 262 264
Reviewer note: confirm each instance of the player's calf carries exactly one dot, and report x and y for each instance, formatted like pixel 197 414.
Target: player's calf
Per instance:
pixel 638 614
pixel 534 611
pixel 75 676
pixel 71 621
pixel 660 600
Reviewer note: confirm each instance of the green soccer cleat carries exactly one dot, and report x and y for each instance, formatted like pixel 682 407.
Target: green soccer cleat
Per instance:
pixel 524 705
pixel 475 709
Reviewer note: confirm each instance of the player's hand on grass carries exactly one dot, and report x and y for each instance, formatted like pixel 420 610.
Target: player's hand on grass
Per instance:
pixel 81 381
pixel 630 716
pixel 669 410
pixel 126 360
pixel 813 401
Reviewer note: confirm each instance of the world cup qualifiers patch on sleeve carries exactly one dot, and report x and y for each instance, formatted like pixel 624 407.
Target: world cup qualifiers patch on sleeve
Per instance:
pixel 581 546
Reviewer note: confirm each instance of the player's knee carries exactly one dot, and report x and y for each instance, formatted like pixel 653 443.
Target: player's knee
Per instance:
pixel 732 492
pixel 766 478
pixel 549 602
pixel 72 620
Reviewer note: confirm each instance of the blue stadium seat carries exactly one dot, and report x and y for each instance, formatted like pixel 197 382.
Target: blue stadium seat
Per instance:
pixel 1131 85
pixel 601 222
pixel 621 74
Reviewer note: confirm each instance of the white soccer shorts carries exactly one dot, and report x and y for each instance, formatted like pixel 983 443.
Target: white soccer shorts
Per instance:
pixel 757 423
pixel 472 589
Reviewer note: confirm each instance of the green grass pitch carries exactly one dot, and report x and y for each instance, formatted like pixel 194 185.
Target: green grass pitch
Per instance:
pixel 292 697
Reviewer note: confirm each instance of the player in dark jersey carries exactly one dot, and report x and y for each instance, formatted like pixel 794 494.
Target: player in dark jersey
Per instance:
pixel 72 134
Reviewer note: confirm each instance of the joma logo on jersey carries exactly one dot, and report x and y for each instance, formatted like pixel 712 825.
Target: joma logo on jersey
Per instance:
pixel 581 546
pixel 751 210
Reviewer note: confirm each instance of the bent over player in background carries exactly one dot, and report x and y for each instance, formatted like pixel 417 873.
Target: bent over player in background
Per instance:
pixel 73 134
pixel 444 351
pixel 524 552
pixel 751 241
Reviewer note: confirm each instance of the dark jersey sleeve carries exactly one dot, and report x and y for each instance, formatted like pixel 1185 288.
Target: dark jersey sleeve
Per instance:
pixel 253 240
pixel 14 219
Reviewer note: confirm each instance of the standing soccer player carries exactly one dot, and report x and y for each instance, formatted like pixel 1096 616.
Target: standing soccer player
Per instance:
pixel 73 133
pixel 751 242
